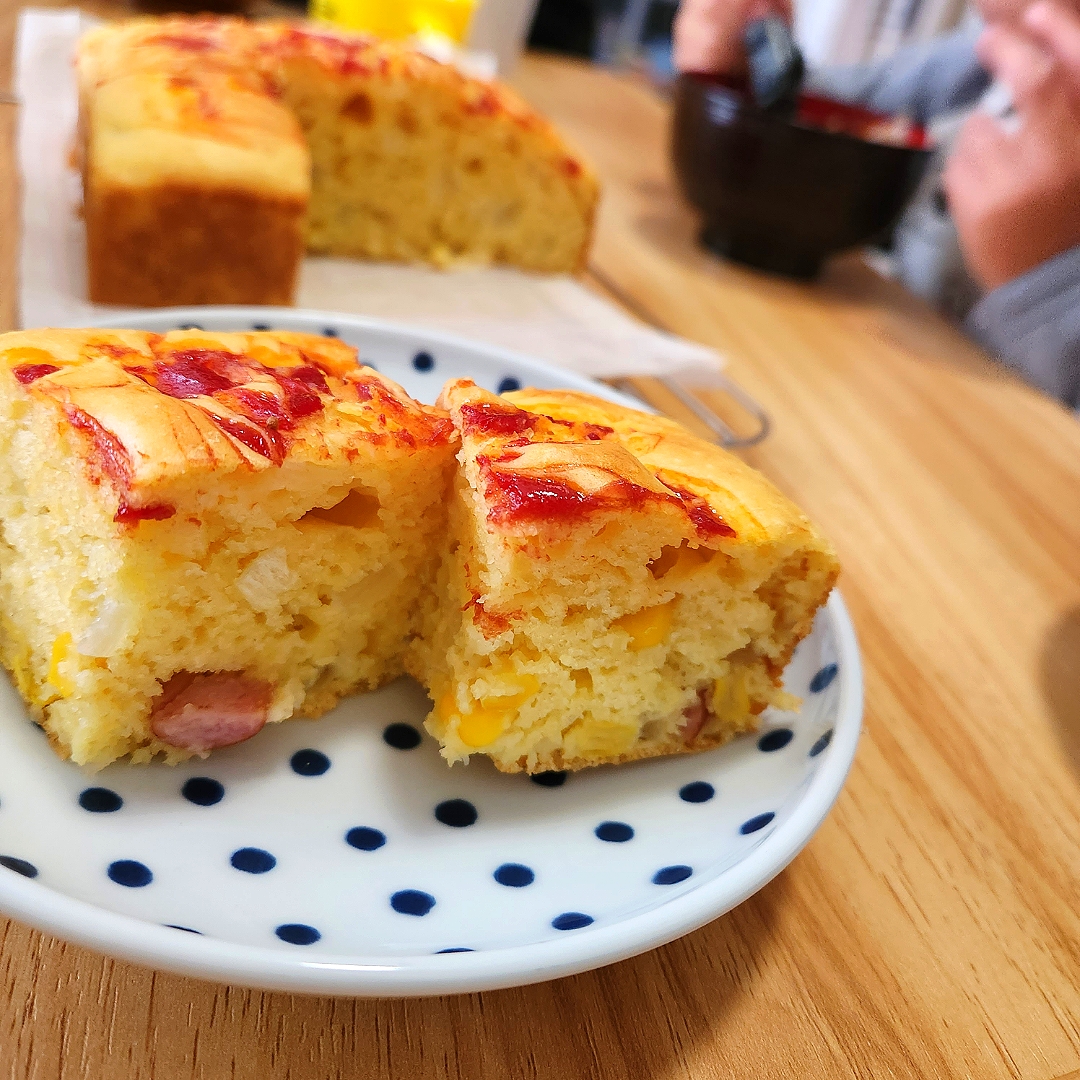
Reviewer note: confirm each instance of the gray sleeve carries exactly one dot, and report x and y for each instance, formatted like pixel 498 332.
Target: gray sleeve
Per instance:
pixel 920 81
pixel 1033 325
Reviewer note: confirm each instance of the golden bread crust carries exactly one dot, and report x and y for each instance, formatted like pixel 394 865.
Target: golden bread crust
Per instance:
pixel 358 58
pixel 150 410
pixel 226 247
pixel 347 55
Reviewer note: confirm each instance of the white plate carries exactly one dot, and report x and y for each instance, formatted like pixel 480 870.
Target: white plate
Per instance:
pixel 322 857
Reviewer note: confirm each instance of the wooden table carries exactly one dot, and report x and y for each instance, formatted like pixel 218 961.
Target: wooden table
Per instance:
pixel 931 928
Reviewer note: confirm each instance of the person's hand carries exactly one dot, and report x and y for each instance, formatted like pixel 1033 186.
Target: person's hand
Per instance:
pixel 1056 27
pixel 708 33
pixel 1015 194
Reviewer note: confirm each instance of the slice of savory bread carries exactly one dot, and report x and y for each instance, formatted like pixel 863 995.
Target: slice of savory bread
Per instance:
pixel 205 532
pixel 612 587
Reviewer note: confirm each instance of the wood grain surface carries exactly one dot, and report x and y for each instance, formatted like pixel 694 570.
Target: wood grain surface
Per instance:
pixel 931 928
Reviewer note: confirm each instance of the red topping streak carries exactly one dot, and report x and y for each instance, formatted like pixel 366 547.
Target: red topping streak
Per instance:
pixel 261 408
pixel 516 498
pixel 491 419
pixel 113 460
pixel 592 432
pixel 208 108
pixel 187 42
pixel 110 454
pixel 307 374
pixel 199 372
pixel 491 623
pixel 486 103
pixel 209 372
pixel 347 55
pixel 708 523
pixel 300 398
pixel 519 499
pixel 370 389
pixel 266 443
pixel 27 373
pixel 115 349
pixel 132 515
pixel 373 391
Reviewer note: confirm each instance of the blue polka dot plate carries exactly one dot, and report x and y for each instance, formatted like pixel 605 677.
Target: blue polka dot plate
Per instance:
pixel 343 856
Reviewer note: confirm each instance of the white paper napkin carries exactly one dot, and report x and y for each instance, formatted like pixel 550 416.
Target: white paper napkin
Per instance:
pixel 551 317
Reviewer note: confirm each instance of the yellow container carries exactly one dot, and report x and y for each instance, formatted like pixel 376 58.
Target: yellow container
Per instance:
pixel 398 18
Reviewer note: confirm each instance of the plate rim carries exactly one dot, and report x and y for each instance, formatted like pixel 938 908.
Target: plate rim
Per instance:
pixel 127 318
pixel 275 969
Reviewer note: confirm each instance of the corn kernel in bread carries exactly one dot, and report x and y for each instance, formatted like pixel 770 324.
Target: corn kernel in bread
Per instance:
pixel 204 532
pixel 613 588
pixel 213 149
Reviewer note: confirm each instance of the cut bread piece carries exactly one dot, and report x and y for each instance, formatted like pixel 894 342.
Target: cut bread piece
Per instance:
pixel 612 588
pixel 205 532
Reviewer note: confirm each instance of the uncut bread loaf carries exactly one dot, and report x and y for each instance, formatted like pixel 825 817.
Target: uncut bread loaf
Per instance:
pixel 203 533
pixel 213 150
pixel 612 587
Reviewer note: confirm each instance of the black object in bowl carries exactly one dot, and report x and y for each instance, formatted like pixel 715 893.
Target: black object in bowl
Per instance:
pixel 777 193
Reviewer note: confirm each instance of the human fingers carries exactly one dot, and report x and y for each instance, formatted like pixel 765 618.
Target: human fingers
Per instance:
pixel 762 9
pixel 705 35
pixel 973 163
pixel 978 181
pixel 1056 27
pixel 1015 60
pixel 708 33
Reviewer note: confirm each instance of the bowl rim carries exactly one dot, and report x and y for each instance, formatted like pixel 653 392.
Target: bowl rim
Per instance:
pixel 750 113
pixel 275 969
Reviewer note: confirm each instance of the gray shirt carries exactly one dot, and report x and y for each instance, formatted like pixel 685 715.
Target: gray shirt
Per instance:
pixel 1031 323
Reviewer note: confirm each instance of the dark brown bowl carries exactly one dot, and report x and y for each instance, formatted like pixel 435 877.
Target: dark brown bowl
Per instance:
pixel 783 194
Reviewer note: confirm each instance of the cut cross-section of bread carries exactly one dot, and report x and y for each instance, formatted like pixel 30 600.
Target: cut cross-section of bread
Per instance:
pixel 414 161
pixel 612 588
pixel 205 532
